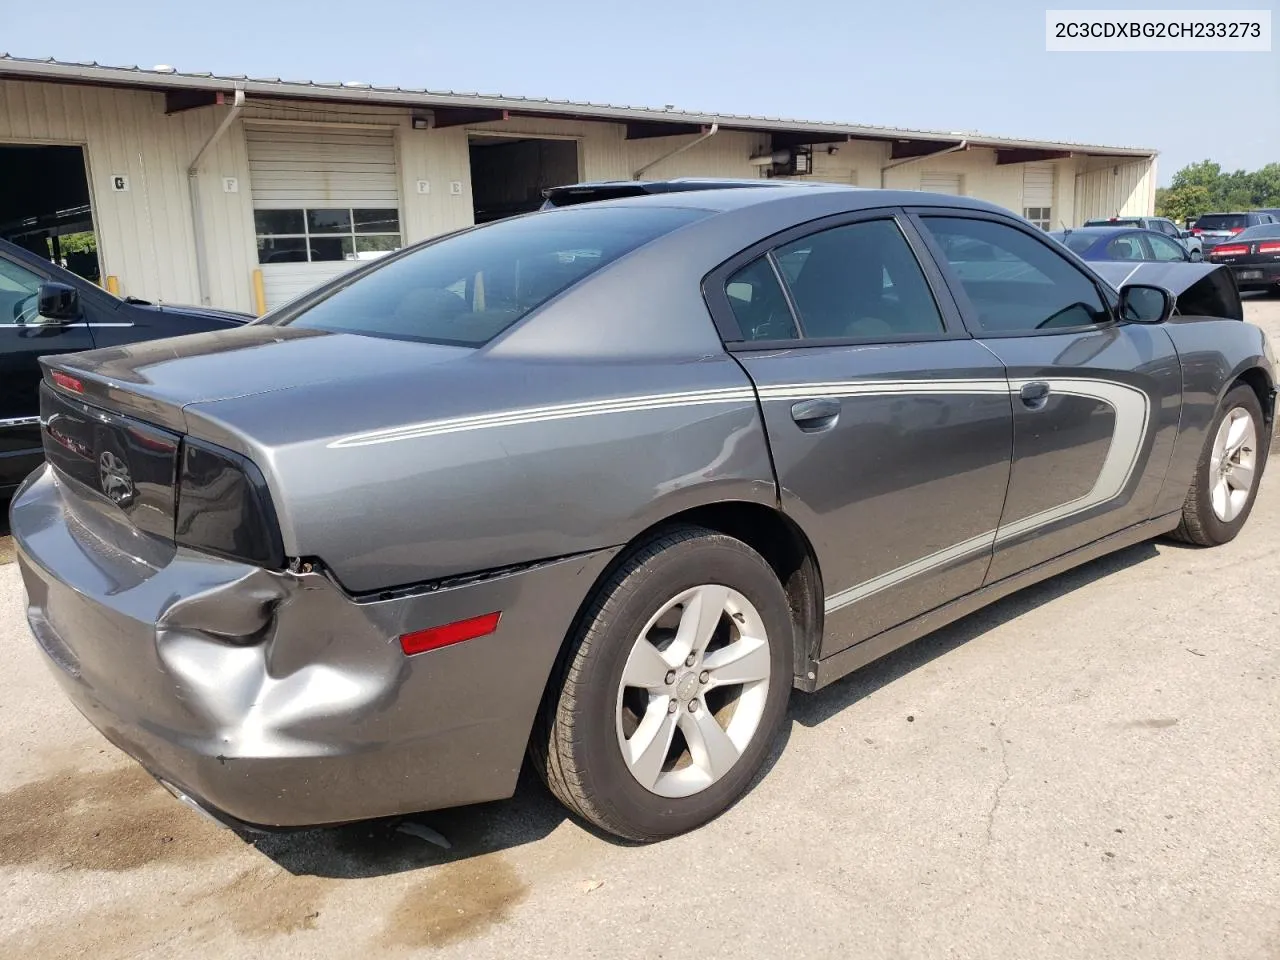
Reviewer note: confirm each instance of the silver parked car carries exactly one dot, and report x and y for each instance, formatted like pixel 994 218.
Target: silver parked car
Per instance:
pixel 604 484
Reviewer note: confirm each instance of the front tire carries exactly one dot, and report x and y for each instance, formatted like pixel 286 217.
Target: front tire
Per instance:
pixel 672 688
pixel 1226 479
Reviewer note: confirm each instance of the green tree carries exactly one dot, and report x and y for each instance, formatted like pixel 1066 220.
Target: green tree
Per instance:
pixel 1203 187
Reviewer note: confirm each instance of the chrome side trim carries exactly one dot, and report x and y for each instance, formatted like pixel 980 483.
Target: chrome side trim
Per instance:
pixel 18 421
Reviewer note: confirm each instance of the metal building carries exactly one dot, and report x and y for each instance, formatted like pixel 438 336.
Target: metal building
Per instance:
pixel 244 192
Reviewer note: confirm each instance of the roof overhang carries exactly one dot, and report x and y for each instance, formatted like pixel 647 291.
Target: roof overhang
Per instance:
pixel 185 91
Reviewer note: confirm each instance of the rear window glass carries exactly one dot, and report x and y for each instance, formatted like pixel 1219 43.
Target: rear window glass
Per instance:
pixel 466 289
pixel 1076 242
pixel 1118 222
pixel 1222 221
pixel 1260 232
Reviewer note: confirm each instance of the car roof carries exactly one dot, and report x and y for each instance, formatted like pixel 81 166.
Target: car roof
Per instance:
pixel 847 198
pixel 593 190
pixel 1103 231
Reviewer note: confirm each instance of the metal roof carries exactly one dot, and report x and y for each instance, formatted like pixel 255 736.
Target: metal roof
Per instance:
pixel 165 80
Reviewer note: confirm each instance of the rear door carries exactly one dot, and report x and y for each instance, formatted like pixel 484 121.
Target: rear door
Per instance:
pixel 1095 401
pixel 890 427
pixel 24 337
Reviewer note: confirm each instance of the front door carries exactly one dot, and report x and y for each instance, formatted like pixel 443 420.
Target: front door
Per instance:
pixel 1095 402
pixel 889 426
pixel 24 337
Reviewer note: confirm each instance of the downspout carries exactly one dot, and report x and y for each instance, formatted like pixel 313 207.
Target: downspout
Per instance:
pixel 193 186
pixel 688 146
pixel 956 148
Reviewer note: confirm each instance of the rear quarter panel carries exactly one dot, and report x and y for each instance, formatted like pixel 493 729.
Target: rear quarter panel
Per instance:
pixel 1213 354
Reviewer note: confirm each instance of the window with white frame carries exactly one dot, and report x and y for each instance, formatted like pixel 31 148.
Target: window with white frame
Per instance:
pixel 1042 217
pixel 313 235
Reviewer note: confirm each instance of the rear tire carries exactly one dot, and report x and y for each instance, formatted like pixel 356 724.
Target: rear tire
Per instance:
pixel 664 704
pixel 1226 480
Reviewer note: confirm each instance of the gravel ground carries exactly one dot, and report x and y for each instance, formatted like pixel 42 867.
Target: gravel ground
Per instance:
pixel 1086 769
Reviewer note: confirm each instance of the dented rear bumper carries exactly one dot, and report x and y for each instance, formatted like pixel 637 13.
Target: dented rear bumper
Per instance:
pixel 277 699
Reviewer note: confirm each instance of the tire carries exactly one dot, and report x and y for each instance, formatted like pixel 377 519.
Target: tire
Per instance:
pixel 1203 524
pixel 589 717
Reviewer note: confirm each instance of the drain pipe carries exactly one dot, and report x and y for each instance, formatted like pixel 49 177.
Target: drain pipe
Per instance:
pixel 193 186
pixel 711 132
pixel 954 148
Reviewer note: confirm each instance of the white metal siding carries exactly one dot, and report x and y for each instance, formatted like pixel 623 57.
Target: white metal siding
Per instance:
pixel 1115 189
pixel 306 166
pixel 1037 185
pixel 934 182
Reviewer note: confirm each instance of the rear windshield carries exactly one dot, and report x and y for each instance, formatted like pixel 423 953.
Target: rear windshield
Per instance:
pixel 1222 221
pixel 1119 222
pixel 1261 232
pixel 466 289
pixel 1077 242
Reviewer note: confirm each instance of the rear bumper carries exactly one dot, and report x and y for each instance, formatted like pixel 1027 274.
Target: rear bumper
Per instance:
pixel 1255 276
pixel 276 699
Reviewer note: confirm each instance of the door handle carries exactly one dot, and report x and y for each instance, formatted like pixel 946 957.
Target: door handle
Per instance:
pixel 1034 395
pixel 814 415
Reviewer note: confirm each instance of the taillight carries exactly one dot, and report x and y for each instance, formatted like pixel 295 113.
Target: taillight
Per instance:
pixel 1196 231
pixel 224 507
pixel 433 638
pixel 67 382
pixel 1234 230
pixel 1269 248
pixel 1236 250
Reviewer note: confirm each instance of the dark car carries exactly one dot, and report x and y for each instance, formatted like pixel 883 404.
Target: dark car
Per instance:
pixel 1216 228
pixel 602 485
pixel 46 309
pixel 574 193
pixel 1253 256
pixel 1162 225
pixel 1122 243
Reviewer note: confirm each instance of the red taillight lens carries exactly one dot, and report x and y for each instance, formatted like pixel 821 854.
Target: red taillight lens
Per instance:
pixel 1269 248
pixel 1196 231
pixel 1236 250
pixel 67 382
pixel 1234 230
pixel 433 638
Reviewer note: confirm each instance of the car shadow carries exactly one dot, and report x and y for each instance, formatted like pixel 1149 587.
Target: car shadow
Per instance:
pixel 399 844
pixel 814 709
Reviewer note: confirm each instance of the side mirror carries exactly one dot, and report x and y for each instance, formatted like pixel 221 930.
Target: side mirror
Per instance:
pixel 1185 234
pixel 59 302
pixel 1142 303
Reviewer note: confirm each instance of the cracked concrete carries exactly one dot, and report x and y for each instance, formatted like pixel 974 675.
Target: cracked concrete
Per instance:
pixel 1131 816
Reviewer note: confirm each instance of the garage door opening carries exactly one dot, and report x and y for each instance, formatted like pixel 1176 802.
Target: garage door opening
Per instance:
pixel 44 205
pixel 508 174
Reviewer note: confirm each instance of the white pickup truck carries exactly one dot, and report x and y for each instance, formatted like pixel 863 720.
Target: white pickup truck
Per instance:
pixel 1193 244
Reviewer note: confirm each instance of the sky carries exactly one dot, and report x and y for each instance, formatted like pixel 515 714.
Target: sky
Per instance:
pixel 932 64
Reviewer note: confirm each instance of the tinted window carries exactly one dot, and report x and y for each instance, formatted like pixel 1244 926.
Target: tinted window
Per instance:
pixel 1079 242
pixel 858 281
pixel 466 289
pixel 758 303
pixel 1125 248
pixel 1017 283
pixel 1117 222
pixel 19 289
pixel 1260 233
pixel 1222 221
pixel 1165 249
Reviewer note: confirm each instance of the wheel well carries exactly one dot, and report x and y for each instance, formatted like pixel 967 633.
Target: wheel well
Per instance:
pixel 1256 379
pixel 784 546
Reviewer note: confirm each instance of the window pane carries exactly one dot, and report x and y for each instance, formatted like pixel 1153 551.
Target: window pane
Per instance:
pixel 377 221
pixel 1165 249
pixel 332 248
pixel 282 250
pixel 859 281
pixel 1078 242
pixel 1125 248
pixel 1015 282
pixel 19 292
pixel 277 221
pixel 758 303
pixel 468 288
pixel 369 248
pixel 328 221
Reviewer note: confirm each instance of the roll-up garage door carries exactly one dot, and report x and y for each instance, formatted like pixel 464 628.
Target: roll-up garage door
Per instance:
pixel 940 183
pixel 324 199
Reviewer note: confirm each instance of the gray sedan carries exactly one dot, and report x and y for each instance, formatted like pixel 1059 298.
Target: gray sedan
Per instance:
pixel 603 484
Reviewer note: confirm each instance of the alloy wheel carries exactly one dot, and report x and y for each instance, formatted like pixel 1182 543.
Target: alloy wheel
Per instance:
pixel 1233 464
